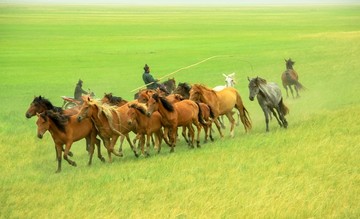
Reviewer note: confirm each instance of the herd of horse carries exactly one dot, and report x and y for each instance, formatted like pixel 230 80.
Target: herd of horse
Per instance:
pixel 156 115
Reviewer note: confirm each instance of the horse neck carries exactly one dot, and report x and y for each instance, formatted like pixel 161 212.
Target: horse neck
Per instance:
pixel 166 115
pixel 54 130
pixel 97 116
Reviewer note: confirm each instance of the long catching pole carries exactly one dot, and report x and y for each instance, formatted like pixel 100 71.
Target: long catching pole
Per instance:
pixel 190 66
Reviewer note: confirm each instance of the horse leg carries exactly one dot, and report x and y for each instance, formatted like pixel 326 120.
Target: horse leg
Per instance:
pixel 148 139
pixel 292 92
pixel 133 148
pixel 173 138
pixel 282 117
pixel 58 149
pixel 90 149
pixel 232 121
pixel 120 148
pixel 218 127
pixel 183 133
pixel 66 152
pixel 198 126
pixel 221 120
pixel 98 145
pixel 297 92
pixel 266 113
pixel 158 139
pixel 274 113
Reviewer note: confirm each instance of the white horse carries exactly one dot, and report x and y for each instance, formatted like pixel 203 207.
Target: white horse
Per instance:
pixel 229 82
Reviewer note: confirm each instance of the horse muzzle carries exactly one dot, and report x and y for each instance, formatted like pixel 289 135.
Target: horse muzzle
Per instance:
pixel 39 135
pixel 28 115
pixel 251 98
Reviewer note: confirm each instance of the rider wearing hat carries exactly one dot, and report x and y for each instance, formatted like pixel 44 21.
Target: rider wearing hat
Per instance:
pixel 79 91
pixel 148 79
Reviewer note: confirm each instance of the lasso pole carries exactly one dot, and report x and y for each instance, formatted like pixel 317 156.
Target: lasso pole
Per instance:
pixel 187 67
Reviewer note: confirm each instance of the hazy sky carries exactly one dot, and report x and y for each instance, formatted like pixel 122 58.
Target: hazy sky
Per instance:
pixel 185 2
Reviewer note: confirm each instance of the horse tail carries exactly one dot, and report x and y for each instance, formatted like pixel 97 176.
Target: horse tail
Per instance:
pixel 200 117
pixel 299 86
pixel 245 118
pixel 283 107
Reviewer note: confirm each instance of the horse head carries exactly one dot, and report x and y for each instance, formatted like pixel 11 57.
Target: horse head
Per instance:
pixel 86 108
pixel 42 124
pixel 106 98
pixel 229 80
pixel 289 63
pixel 183 89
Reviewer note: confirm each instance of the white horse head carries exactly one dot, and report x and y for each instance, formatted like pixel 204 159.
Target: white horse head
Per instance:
pixel 229 80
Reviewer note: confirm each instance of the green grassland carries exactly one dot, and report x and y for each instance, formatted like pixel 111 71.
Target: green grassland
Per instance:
pixel 310 170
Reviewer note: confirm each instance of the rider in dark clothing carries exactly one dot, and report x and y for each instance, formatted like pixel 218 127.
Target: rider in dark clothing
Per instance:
pixel 79 91
pixel 148 79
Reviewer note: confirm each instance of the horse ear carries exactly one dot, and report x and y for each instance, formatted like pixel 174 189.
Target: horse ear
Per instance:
pixel 38 114
pixel 232 74
pixel 88 99
pixel 225 75
pixel 248 79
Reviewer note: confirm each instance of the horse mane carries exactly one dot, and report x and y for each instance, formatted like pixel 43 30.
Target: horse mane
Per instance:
pixel 185 85
pixel 261 80
pixel 167 105
pixel 138 107
pixel 203 87
pixel 60 120
pixel 48 105
pixel 113 99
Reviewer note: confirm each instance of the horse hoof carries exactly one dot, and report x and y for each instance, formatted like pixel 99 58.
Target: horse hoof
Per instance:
pixel 58 171
pixel 74 164
pixel 70 154
pixel 102 159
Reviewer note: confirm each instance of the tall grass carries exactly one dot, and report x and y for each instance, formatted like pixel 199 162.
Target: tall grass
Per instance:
pixel 309 170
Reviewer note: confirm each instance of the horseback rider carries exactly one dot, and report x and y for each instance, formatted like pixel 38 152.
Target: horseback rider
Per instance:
pixel 149 80
pixel 79 91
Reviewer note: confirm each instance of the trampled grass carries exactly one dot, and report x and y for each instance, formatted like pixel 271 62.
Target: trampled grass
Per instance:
pixel 309 170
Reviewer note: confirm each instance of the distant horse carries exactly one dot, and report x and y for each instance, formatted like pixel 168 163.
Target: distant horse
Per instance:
pixel 221 103
pixel 183 113
pixel 229 82
pixel 166 87
pixel 270 98
pixel 110 121
pixel 146 126
pixel 66 130
pixel 290 77
pixel 113 100
pixel 183 89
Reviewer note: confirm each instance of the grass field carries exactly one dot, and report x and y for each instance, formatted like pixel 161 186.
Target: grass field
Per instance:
pixel 310 170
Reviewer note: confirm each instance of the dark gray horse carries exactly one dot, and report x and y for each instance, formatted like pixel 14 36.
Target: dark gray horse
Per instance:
pixel 270 98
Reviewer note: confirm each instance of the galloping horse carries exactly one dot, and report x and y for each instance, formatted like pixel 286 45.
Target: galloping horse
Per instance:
pixel 113 100
pixel 269 97
pixel 111 123
pixel 66 130
pixel 221 103
pixel 290 77
pixel 183 113
pixel 41 104
pixel 146 126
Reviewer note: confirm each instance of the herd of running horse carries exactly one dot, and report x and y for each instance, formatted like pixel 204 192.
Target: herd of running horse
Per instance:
pixel 156 115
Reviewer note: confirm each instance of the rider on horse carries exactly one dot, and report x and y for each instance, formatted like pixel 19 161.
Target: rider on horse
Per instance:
pixel 79 91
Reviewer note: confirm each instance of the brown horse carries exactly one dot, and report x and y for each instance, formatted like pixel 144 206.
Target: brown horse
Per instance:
pixel 290 77
pixel 221 103
pixel 206 112
pixel 66 130
pixel 183 113
pixel 113 100
pixel 111 123
pixel 146 126
pixel 41 104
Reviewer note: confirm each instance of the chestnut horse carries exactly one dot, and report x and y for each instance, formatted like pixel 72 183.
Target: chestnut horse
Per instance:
pixel 113 100
pixel 221 103
pixel 146 126
pixel 183 113
pixel 41 104
pixel 111 123
pixel 290 77
pixel 66 130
